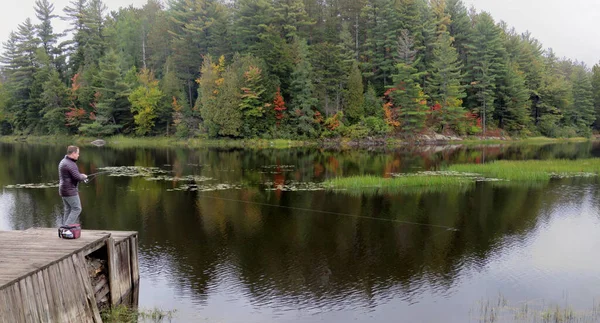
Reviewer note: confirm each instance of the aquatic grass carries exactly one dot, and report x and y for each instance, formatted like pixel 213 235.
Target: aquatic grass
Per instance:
pixel 400 184
pixel 531 170
pixel 469 141
pixel 124 314
pixel 501 310
pixel 33 185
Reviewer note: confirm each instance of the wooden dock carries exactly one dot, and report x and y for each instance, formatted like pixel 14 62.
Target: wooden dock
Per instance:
pixel 47 279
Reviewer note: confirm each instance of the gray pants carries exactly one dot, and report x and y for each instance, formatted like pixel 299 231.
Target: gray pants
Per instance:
pixel 72 205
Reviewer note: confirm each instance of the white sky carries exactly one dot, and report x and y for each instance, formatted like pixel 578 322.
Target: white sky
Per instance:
pixel 15 12
pixel 568 27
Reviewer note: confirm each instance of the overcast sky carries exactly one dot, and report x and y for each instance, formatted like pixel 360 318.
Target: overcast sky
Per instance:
pixel 570 28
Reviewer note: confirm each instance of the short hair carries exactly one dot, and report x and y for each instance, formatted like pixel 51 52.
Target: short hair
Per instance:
pixel 72 149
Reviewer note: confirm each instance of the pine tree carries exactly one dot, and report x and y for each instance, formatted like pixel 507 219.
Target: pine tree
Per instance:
pixel 443 86
pixel 512 104
pixel 302 91
pixel 21 68
pixel 292 18
pixel 460 28
pixel 55 100
pixel 581 113
pixel 486 63
pixel 44 11
pixel 407 95
pixel 112 111
pixel 596 92
pixel 355 101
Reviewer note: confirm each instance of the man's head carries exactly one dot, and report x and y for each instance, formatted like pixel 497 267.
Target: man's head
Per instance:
pixel 73 152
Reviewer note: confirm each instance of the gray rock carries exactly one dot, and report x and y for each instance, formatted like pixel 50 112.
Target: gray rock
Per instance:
pixel 98 142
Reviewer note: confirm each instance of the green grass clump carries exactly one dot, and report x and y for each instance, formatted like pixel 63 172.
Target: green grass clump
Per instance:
pixel 531 170
pixel 124 314
pixel 401 184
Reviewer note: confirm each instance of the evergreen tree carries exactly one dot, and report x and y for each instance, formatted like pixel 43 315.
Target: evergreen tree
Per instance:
pixel 512 104
pixel 596 93
pixel 44 11
pixel 443 86
pixel 407 94
pixel 112 111
pixel 292 18
pixel 302 92
pixel 355 102
pixel 581 114
pixel 460 28
pixel 486 63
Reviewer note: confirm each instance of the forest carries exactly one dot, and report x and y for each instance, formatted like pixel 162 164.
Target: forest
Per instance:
pixel 290 69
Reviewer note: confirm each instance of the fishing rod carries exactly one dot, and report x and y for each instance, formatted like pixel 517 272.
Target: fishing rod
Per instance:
pixel 93 176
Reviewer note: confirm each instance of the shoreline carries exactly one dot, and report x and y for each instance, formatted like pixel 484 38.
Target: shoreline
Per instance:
pixel 367 143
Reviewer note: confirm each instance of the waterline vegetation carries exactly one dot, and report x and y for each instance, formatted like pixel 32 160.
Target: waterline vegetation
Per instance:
pixel 463 176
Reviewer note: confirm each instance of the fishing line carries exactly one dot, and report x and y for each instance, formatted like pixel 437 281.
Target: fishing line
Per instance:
pixel 333 213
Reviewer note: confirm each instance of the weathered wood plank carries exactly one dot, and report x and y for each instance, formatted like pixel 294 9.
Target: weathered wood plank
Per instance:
pixel 135 267
pixel 39 303
pixel 77 285
pixel 25 301
pixel 66 305
pixel 52 306
pixel 92 303
pixel 113 275
pixel 124 269
pixel 4 304
pixel 58 293
pixel 70 281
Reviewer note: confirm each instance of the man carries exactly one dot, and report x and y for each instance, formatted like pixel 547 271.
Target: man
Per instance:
pixel 69 177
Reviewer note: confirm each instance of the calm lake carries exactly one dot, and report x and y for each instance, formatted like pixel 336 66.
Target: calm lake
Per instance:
pixel 232 235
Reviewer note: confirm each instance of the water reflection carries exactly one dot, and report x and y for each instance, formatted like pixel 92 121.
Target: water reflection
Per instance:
pixel 258 253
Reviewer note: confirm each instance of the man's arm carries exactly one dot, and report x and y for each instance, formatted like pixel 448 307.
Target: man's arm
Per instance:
pixel 76 174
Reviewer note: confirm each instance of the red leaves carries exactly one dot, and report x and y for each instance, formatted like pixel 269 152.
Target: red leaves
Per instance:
pixel 279 106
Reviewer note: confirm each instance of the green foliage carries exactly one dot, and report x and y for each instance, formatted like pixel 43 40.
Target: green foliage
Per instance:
pixel 302 92
pixel 580 114
pixel 355 106
pixel 449 67
pixel 487 62
pixel 407 95
pixel 443 86
pixel 145 101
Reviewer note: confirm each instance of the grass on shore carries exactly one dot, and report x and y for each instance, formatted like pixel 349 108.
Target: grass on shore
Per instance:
pixel 121 141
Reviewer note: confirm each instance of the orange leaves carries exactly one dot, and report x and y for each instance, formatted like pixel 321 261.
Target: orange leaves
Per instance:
pixel 390 115
pixel 333 122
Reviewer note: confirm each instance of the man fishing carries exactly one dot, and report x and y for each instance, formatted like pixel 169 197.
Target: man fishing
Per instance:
pixel 70 176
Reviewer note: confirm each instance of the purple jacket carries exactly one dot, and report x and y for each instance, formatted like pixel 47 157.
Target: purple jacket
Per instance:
pixel 69 177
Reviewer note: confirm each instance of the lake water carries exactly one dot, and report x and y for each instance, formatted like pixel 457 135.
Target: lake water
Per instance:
pixel 232 235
